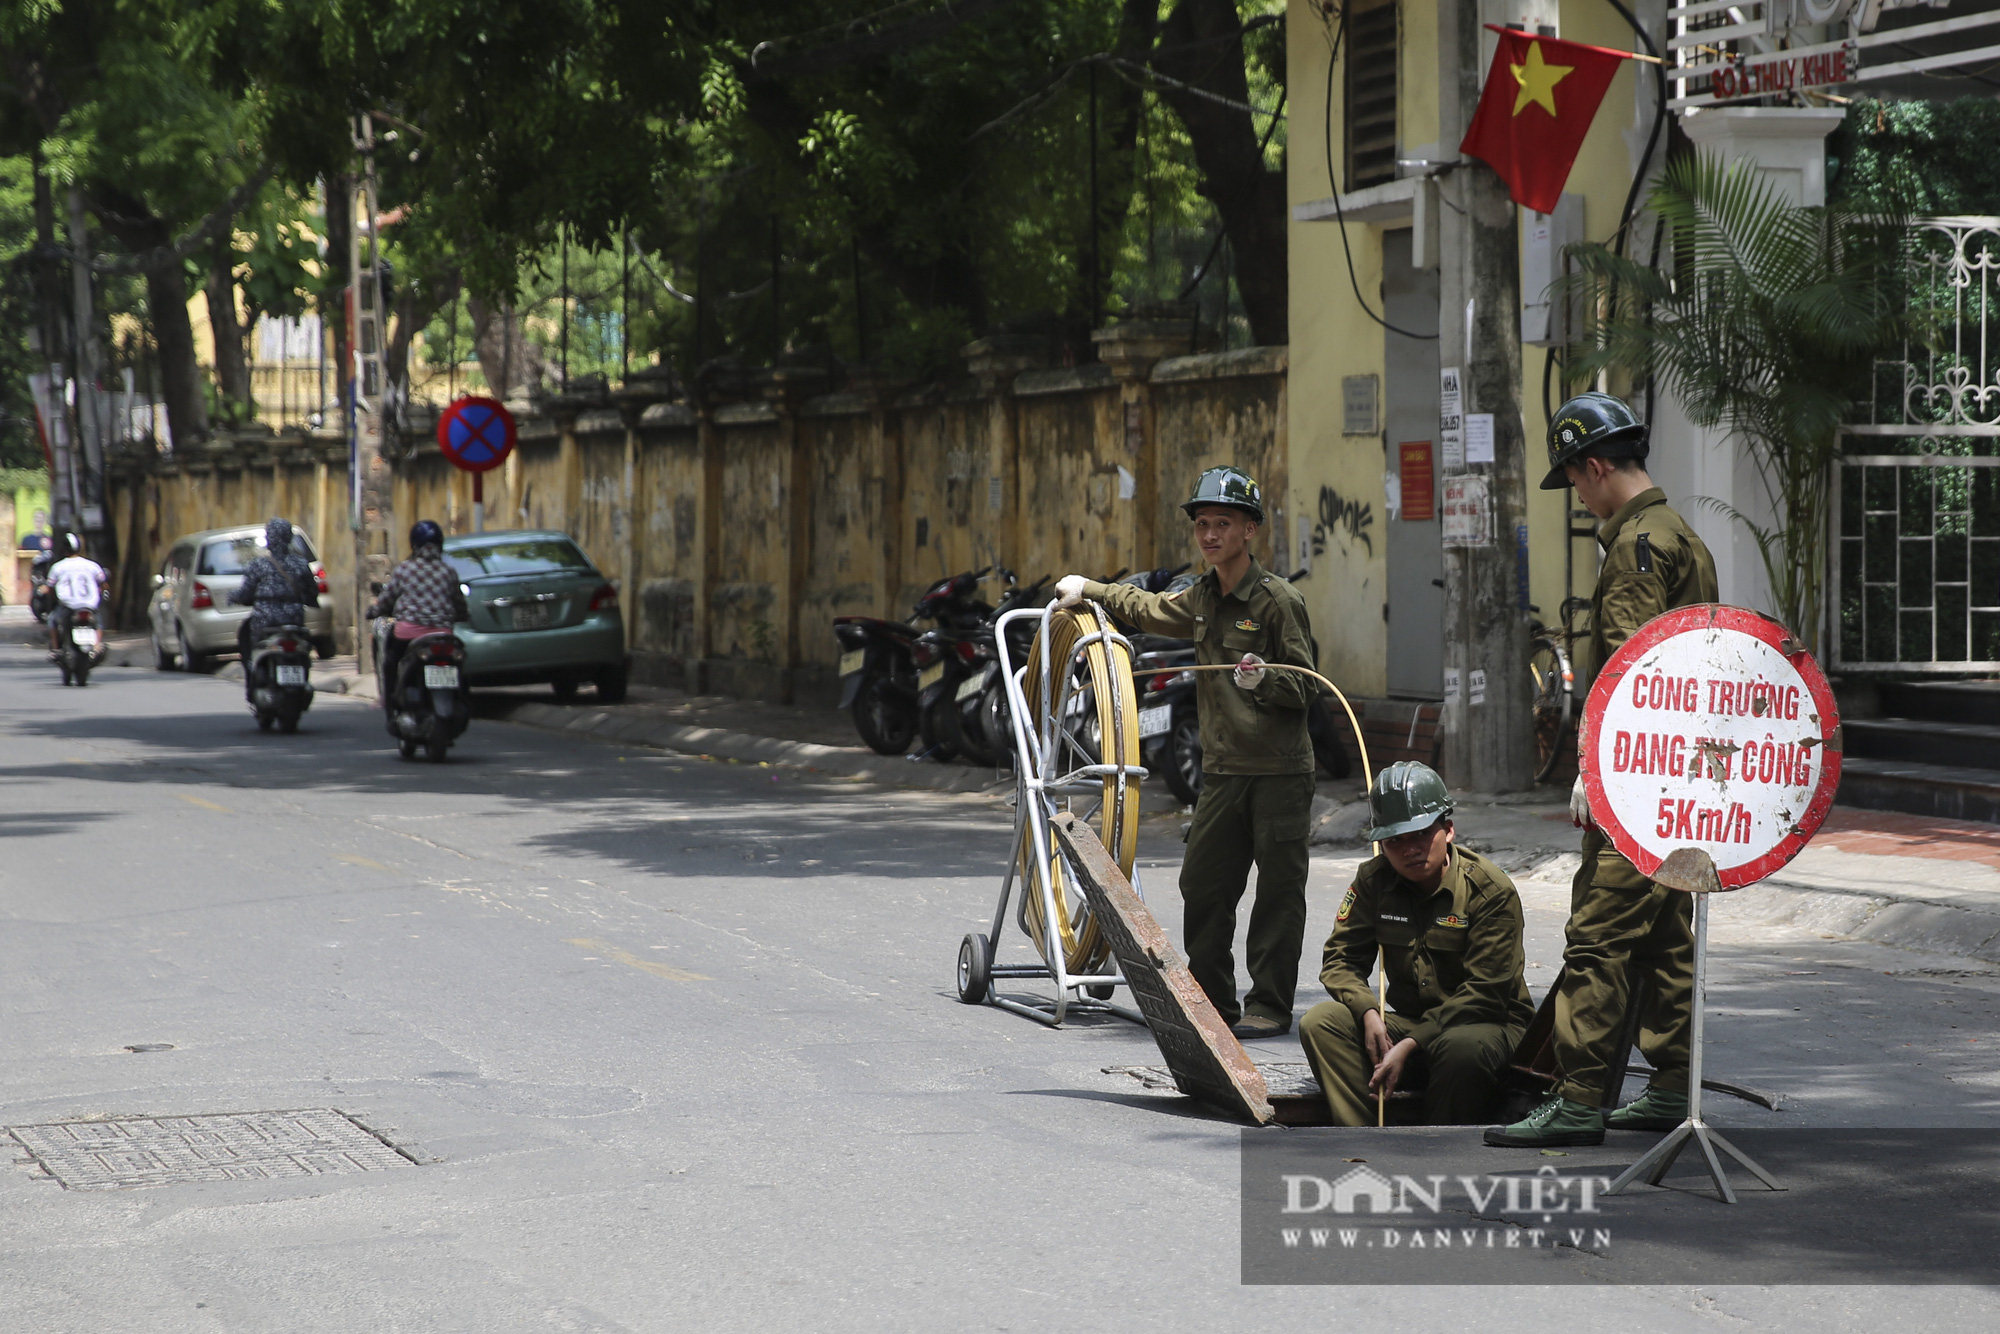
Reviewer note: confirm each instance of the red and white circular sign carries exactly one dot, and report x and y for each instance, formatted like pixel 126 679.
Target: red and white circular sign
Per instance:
pixel 1711 728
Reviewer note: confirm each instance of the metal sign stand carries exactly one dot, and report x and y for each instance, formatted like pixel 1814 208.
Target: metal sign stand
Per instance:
pixel 1047 773
pixel 1658 1159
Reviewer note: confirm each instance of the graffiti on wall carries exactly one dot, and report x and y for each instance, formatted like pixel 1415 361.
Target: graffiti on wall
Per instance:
pixel 1350 518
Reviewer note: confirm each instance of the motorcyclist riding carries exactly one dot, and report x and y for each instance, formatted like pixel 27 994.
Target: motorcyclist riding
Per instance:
pixel 278 586
pixel 423 593
pixel 79 584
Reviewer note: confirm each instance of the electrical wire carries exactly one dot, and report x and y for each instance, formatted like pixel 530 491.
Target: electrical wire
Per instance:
pixel 1333 180
pixel 1659 122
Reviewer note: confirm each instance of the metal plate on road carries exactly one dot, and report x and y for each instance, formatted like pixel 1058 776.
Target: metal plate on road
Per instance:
pixel 853 661
pixel 240 1146
pixel 1711 729
pixel 1207 1061
pixel 440 678
pixel 291 676
pixel 1156 720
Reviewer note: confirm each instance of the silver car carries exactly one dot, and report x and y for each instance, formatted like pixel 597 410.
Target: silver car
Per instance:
pixel 193 619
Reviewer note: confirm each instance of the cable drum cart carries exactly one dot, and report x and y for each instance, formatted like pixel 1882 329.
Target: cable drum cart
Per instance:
pixel 1074 715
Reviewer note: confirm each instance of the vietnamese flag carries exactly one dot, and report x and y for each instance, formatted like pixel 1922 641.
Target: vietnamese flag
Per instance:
pixel 1540 98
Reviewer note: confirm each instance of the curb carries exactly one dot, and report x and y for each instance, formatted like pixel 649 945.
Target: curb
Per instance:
pixel 632 729
pixel 1905 923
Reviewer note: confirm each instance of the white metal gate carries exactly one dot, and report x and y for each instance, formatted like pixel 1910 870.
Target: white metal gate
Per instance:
pixel 1916 513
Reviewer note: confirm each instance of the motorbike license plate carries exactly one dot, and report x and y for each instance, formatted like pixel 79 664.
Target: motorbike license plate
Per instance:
pixel 291 676
pixel 971 686
pixel 441 678
pixel 86 637
pixel 853 661
pixel 532 616
pixel 1156 720
pixel 931 676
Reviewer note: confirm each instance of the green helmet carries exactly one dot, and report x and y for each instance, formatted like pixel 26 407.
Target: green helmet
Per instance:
pixel 1227 486
pixel 1406 797
pixel 1595 424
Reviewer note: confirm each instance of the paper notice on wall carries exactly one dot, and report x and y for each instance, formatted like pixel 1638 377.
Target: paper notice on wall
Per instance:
pixel 1451 421
pixel 1478 692
pixel 1392 493
pixel 1451 687
pixel 1479 438
pixel 1468 512
pixel 1128 485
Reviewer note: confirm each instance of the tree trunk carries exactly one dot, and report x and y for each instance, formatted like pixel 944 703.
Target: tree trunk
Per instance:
pixel 506 358
pixel 416 303
pixel 139 231
pixel 1201 44
pixel 232 371
pixel 1121 105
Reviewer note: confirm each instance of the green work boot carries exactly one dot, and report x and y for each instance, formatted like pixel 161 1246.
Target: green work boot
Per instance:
pixel 1555 1123
pixel 1655 1109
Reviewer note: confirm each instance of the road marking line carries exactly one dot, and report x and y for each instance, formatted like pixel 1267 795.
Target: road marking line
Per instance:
pixel 204 803
pixel 631 960
pixel 354 860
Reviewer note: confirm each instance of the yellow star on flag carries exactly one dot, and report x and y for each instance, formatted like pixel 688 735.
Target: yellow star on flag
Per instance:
pixel 1538 81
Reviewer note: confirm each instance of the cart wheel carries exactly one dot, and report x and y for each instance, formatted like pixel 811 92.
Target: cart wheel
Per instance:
pixel 975 961
pixel 1102 990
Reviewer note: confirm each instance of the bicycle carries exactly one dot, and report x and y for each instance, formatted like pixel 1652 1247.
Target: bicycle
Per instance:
pixel 1555 705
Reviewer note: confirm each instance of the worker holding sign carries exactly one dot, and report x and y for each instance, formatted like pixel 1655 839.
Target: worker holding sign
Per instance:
pixel 1619 919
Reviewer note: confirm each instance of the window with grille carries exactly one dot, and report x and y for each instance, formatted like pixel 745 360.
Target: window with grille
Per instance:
pixel 1371 92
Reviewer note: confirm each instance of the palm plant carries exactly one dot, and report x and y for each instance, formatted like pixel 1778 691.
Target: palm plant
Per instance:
pixel 1764 319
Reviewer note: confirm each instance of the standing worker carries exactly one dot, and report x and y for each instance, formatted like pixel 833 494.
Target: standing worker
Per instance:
pixel 1619 920
pixel 1448 925
pixel 1257 758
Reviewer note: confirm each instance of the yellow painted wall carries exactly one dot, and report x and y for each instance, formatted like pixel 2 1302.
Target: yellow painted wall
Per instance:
pixel 1331 338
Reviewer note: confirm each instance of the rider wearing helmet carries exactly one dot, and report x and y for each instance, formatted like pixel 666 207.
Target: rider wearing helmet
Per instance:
pixel 1621 924
pixel 1448 925
pixel 278 586
pixel 1257 756
pixel 423 593
pixel 79 585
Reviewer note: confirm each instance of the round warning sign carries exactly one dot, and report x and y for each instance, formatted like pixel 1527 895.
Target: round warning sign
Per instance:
pixel 1712 728
pixel 476 433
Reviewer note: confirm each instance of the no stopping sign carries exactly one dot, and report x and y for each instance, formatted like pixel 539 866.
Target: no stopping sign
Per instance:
pixel 1711 728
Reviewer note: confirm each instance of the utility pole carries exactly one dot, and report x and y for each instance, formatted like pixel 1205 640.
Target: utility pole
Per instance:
pixel 48 339
pixel 89 479
pixel 371 510
pixel 1489 738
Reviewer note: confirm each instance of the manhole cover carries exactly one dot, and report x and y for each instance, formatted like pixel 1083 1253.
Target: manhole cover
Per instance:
pixel 237 1146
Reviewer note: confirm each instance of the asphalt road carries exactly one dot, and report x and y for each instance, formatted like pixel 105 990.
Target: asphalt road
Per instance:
pixel 672 1045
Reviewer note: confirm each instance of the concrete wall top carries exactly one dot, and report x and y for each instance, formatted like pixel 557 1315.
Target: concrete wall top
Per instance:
pixel 1068 380
pixel 1223 365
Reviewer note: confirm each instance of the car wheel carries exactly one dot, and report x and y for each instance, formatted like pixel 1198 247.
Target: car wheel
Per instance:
pixel 611 683
pixel 324 647
pixel 163 660
pixel 190 660
pixel 564 688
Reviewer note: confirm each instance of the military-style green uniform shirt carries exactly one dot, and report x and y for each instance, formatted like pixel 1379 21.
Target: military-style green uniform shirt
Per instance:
pixel 1653 563
pixel 1261 731
pixel 1454 956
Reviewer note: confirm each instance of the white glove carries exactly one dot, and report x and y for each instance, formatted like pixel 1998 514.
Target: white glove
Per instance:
pixel 1579 805
pixel 1249 673
pixel 1069 589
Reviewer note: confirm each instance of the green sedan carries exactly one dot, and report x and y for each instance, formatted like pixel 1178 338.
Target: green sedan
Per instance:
pixel 540 612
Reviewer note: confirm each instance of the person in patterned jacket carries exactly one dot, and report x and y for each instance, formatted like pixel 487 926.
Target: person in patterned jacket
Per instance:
pixel 277 587
pixel 423 594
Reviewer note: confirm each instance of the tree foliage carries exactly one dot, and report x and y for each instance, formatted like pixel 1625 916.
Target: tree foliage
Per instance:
pixel 1765 319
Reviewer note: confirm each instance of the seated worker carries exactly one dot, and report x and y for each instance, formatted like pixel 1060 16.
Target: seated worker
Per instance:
pixel 1448 923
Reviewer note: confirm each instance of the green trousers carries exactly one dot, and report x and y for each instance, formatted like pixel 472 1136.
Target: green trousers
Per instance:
pixel 1621 923
pixel 1459 1071
pixel 1240 820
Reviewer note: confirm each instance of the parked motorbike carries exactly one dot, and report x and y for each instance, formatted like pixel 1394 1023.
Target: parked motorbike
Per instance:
pixel 883 671
pixel 982 718
pixel 427 706
pixel 82 648
pixel 42 589
pixel 279 676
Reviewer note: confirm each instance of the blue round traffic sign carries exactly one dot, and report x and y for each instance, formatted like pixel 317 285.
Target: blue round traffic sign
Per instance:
pixel 476 433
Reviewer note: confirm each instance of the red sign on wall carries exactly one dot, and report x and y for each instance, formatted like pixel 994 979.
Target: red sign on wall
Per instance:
pixel 1413 460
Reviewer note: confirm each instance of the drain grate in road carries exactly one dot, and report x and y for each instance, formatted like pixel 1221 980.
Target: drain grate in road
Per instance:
pixel 236 1146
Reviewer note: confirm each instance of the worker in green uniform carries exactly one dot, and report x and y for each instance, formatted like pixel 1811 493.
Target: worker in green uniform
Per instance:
pixel 1619 920
pixel 1257 758
pixel 1448 925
